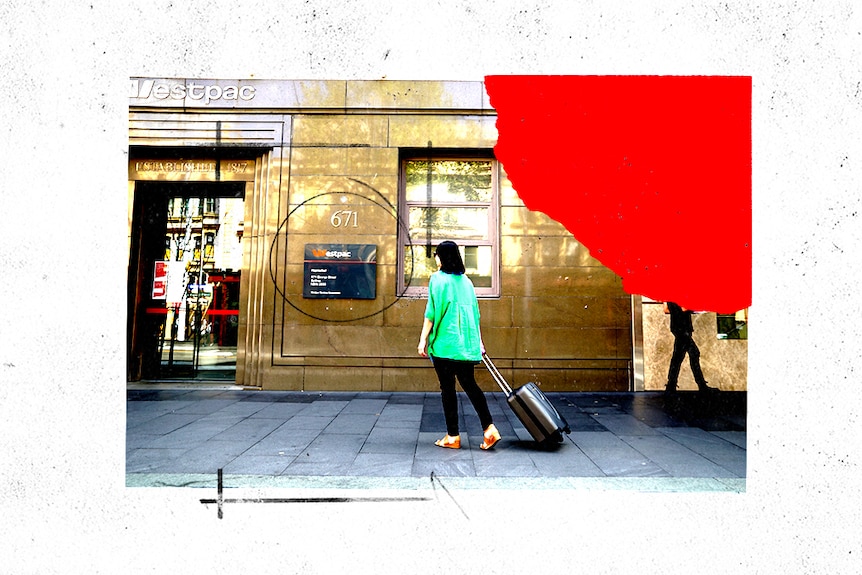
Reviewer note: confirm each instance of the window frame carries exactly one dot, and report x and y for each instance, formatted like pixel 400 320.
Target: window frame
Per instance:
pixel 493 235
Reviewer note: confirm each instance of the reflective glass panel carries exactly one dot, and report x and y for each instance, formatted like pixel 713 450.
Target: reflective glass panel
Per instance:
pixel 203 256
pixel 449 223
pixel 478 260
pixel 448 181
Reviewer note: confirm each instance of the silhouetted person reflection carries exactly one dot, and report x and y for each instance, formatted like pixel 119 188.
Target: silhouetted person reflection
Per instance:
pixel 683 343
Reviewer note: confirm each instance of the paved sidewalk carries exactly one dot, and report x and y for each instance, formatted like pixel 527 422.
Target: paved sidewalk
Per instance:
pixel 182 436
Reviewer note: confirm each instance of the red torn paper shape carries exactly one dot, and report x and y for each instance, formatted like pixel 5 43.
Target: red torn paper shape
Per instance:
pixel 651 173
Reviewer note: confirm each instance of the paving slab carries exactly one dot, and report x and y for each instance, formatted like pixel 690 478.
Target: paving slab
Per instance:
pixel 382 464
pixel 614 456
pixel 676 459
pixel 269 410
pixel 259 464
pixel 283 442
pixel 351 423
pixel 624 424
pixel 164 424
pixel 391 440
pixel 368 406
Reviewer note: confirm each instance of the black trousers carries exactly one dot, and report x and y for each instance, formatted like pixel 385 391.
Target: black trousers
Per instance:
pixel 447 370
pixel 683 344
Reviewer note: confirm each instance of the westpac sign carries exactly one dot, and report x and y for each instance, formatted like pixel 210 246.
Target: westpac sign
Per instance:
pixel 194 93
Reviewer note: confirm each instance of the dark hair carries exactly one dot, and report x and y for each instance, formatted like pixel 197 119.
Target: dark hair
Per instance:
pixel 450 258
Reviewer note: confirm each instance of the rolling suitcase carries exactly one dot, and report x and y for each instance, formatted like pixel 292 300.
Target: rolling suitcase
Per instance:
pixel 533 409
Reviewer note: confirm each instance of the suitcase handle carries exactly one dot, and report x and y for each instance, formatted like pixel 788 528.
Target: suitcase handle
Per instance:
pixel 495 373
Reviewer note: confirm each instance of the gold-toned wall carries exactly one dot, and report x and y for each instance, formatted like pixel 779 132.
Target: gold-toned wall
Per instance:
pixel 724 361
pixel 562 318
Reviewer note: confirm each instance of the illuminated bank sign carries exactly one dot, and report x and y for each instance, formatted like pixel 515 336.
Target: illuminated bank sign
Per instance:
pixel 191 93
pixel 340 271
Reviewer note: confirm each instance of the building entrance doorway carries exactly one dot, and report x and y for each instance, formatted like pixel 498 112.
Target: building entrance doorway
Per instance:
pixel 184 280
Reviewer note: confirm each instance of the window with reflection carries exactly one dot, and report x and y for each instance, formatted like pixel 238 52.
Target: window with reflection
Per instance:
pixel 449 198
pixel 733 326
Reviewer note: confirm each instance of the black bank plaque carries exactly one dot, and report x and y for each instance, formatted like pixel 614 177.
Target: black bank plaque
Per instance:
pixel 340 271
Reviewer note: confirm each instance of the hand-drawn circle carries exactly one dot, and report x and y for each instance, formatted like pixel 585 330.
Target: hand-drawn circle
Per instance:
pixel 283 224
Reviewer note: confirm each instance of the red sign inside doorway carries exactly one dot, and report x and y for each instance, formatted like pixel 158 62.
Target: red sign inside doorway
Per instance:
pixel 160 281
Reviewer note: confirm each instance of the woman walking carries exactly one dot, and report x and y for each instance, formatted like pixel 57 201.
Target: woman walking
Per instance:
pixel 451 337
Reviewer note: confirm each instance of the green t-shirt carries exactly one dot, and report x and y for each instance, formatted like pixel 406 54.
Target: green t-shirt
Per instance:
pixel 453 309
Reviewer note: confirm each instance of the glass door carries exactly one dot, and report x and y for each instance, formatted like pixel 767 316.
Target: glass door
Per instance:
pixel 184 280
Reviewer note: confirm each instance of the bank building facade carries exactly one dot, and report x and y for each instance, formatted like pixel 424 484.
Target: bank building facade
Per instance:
pixel 281 235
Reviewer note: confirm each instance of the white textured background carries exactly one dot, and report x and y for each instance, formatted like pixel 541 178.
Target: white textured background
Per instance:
pixel 63 92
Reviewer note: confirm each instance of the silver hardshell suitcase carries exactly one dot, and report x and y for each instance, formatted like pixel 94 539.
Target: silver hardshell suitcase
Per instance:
pixel 533 409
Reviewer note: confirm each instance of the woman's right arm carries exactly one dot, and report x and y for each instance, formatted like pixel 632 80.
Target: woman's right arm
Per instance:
pixel 427 324
pixel 423 339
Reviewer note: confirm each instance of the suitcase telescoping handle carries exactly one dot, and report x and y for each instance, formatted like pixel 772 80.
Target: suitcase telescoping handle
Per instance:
pixel 495 373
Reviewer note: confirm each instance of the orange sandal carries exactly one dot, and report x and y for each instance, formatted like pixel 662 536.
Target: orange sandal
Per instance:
pixel 452 442
pixel 490 437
